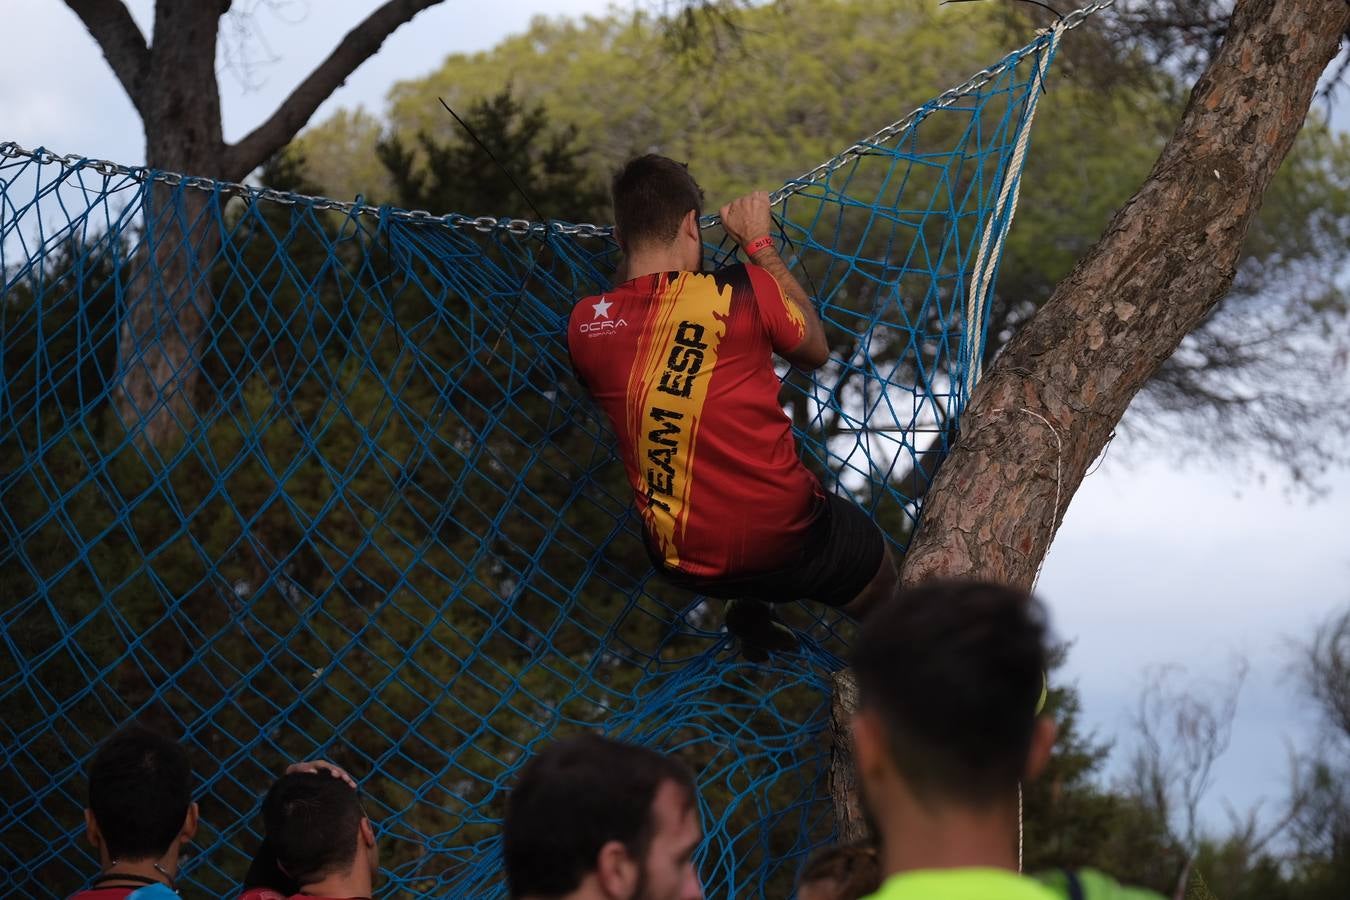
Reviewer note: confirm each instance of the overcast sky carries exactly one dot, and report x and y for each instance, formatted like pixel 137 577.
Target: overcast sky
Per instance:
pixel 1155 564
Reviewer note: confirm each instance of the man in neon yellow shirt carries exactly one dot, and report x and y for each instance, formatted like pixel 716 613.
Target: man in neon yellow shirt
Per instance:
pixel 950 678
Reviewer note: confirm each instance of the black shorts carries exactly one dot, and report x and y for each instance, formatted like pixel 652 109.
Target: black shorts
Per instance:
pixel 842 553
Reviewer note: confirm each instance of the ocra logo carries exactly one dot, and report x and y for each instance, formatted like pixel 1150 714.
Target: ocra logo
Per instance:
pixel 606 325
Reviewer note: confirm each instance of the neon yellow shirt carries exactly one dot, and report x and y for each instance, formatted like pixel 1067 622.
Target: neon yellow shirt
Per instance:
pixel 963 884
pixel 1002 884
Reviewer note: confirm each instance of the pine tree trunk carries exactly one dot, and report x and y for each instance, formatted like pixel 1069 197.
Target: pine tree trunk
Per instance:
pixel 172 83
pixel 168 306
pixel 170 301
pixel 1050 401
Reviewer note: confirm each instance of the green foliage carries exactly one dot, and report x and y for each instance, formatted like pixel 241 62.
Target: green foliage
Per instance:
pixel 519 152
pixel 339 154
pixel 805 81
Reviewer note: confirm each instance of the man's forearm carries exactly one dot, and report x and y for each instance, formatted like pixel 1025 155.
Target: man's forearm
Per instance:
pixel 769 260
pixel 748 220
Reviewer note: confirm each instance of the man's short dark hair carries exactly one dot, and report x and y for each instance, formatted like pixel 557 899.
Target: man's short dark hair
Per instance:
pixel 140 789
pixel 572 799
pixel 955 670
pixel 652 195
pixel 311 821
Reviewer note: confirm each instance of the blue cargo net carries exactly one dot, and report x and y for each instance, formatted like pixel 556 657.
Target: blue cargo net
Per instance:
pixel 292 478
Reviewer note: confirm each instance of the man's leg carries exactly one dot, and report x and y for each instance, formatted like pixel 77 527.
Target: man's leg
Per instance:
pixel 755 624
pixel 850 567
pixel 748 616
pixel 758 625
pixel 880 589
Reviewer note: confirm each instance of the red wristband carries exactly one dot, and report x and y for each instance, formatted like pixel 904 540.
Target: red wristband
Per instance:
pixel 757 245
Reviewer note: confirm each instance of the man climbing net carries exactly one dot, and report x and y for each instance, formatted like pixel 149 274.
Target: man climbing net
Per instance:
pixel 681 362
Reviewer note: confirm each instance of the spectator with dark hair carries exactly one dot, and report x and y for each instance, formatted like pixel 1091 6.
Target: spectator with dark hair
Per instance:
pixel 317 839
pixel 951 679
pixel 681 361
pixel 841 872
pixel 596 819
pixel 140 814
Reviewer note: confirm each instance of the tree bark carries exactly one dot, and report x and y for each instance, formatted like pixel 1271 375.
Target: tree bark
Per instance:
pixel 170 301
pixel 1051 400
pixel 848 810
pixel 172 83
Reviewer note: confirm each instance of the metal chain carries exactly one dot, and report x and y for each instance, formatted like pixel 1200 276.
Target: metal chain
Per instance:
pixel 523 227
pixel 73 161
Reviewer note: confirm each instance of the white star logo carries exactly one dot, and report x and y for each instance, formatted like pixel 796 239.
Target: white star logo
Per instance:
pixel 602 308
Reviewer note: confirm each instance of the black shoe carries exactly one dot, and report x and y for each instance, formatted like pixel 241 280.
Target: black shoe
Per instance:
pixel 759 630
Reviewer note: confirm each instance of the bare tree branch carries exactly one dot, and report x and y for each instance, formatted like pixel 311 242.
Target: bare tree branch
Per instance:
pixel 1182 732
pixel 1319 795
pixel 1327 671
pixel 120 39
pixel 361 43
pixel 1247 830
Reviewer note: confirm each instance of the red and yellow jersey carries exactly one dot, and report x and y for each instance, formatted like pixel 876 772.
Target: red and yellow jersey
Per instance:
pixel 682 364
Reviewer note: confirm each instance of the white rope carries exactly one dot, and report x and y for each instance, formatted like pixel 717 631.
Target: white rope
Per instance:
pixel 1059 485
pixel 1054 522
pixel 1019 827
pixel 979 293
pixel 991 244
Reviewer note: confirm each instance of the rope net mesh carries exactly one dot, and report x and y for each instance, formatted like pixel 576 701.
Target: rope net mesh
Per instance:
pixel 295 481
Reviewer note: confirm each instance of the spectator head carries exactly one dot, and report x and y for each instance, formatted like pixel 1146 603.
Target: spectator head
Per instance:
pixel 657 205
pixel 140 799
pixel 950 678
pixel 598 819
pixel 317 830
pixel 841 872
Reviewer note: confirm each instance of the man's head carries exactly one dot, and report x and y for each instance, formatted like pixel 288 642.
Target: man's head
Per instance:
pixel 140 797
pixel 317 829
pixel 841 872
pixel 657 205
pixel 950 676
pixel 602 819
